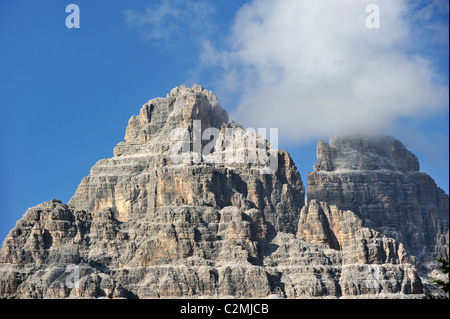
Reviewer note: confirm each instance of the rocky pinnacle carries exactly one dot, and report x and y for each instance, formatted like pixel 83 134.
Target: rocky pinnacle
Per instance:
pixel 144 224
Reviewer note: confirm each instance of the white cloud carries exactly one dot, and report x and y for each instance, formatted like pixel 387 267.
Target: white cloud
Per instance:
pixel 312 68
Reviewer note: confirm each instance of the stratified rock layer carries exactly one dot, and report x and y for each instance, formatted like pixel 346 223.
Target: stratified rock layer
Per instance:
pixel 144 226
pixel 142 177
pixel 379 180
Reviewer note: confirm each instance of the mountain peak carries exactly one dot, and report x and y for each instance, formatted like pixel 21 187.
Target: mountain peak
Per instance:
pixel 144 225
pixel 364 152
pixel 177 110
pixel 183 89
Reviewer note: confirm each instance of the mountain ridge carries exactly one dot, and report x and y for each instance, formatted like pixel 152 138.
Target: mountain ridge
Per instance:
pixel 152 222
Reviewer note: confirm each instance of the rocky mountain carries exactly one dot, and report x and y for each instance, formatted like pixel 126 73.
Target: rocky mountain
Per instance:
pixel 379 180
pixel 194 206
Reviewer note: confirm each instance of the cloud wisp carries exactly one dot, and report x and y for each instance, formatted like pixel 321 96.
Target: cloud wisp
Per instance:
pixel 173 23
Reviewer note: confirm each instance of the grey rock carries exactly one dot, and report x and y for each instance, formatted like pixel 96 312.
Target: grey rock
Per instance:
pixel 143 226
pixel 379 180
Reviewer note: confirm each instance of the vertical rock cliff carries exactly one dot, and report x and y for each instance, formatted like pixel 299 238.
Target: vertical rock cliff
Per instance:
pixel 141 177
pixel 379 180
pixel 150 222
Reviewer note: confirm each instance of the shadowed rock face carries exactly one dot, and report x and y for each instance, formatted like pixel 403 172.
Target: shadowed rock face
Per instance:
pixel 364 153
pixel 142 226
pixel 343 230
pixel 378 179
pixel 142 177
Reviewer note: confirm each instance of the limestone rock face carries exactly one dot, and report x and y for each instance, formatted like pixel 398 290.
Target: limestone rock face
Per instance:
pixel 343 231
pixel 142 176
pixel 379 180
pixel 151 223
pixel 185 251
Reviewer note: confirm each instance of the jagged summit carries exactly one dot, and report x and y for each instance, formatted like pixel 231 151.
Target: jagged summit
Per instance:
pixel 177 110
pixel 362 152
pixel 377 178
pixel 143 170
pixel 164 218
pixel 183 89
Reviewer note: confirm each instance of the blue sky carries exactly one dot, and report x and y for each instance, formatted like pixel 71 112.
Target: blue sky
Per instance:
pixel 310 68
